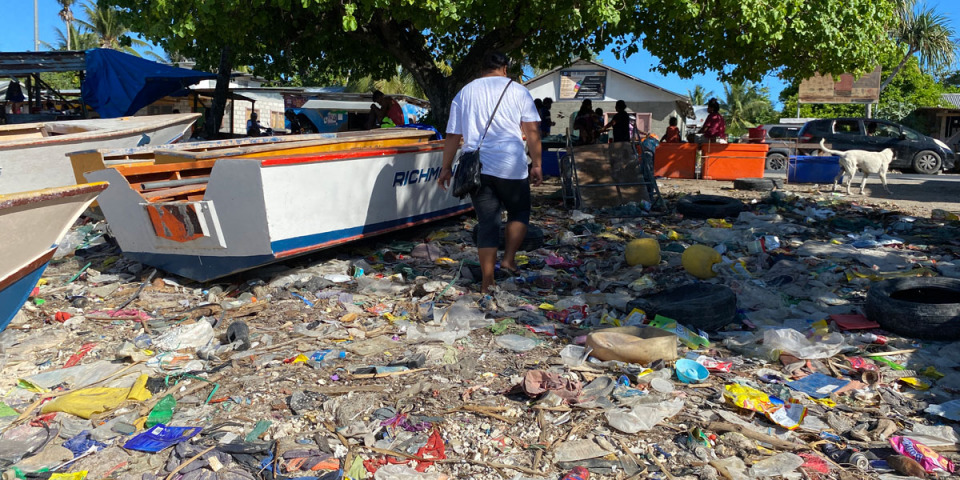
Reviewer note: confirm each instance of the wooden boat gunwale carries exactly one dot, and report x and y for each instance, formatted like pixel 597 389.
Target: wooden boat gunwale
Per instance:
pixel 99 133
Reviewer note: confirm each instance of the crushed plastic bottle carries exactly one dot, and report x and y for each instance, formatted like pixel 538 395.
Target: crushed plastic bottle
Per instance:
pixel 162 412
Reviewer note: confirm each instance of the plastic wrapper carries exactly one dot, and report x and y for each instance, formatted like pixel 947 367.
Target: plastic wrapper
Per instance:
pixel 786 415
pixel 691 339
pixel 930 460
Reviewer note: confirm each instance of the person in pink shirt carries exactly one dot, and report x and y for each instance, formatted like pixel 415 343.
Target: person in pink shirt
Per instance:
pixel 390 108
pixel 714 127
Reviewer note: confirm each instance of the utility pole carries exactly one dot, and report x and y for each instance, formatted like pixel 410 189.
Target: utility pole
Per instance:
pixel 36 27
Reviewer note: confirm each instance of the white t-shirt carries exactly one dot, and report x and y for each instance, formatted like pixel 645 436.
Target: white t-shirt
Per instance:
pixel 503 151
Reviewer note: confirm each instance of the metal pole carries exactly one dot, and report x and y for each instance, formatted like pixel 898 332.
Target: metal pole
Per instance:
pixel 36 27
pixel 869 110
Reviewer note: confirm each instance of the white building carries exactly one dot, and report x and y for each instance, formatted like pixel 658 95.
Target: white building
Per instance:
pixel 568 86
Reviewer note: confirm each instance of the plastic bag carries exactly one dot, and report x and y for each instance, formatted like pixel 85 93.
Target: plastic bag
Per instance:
pixel 790 341
pixel 643 417
pixel 88 401
pixel 517 343
pixel 190 337
pixel 777 465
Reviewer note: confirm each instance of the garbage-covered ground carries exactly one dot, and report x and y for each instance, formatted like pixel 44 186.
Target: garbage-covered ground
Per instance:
pixel 379 360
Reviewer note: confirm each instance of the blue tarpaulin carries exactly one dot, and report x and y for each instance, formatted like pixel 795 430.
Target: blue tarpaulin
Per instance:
pixel 119 84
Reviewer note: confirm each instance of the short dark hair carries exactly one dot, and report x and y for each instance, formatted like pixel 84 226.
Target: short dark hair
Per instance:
pixel 547 101
pixel 377 94
pixel 673 121
pixel 713 104
pixel 495 60
pixel 621 106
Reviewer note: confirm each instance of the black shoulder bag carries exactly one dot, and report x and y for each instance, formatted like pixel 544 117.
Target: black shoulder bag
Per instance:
pixel 466 180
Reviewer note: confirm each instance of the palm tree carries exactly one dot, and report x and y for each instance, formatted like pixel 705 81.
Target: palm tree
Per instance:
pixel 699 95
pixel 745 105
pixel 104 21
pixel 81 40
pixel 921 30
pixel 66 14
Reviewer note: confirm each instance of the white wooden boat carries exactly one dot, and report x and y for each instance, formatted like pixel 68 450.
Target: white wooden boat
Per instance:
pixel 33 155
pixel 205 218
pixel 31 225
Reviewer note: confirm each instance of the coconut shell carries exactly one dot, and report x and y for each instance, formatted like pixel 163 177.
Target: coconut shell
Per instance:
pixel 906 466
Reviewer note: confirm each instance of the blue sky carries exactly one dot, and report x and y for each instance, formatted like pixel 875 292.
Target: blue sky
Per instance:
pixel 19 37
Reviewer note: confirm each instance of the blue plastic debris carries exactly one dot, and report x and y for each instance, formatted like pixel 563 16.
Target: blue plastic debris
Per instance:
pixel 160 437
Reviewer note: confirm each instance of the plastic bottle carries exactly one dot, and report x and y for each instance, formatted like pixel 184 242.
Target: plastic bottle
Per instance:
pixel 162 412
pixel 328 357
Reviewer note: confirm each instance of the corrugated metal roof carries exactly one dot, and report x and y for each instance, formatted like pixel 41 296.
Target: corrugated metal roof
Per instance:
pixel 951 98
pixel 13 64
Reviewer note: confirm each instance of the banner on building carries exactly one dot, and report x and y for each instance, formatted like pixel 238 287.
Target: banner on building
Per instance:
pixel 823 89
pixel 583 84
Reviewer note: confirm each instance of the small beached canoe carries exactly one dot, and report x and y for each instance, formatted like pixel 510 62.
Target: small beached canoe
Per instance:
pixel 31 225
pixel 205 218
pixel 33 155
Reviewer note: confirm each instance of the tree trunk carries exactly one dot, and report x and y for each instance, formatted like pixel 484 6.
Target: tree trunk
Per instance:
pixel 895 71
pixel 69 34
pixel 213 121
pixel 398 40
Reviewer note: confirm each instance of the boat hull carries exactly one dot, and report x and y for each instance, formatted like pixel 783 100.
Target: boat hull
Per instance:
pixel 36 163
pixel 31 225
pixel 257 211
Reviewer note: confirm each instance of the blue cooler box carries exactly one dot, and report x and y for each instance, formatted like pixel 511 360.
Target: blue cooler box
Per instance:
pixel 550 162
pixel 809 169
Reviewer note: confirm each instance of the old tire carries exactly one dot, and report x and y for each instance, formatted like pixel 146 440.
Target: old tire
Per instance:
pixel 927 162
pixel 917 307
pixel 705 306
pixel 709 206
pixel 531 242
pixel 776 162
pixel 758 184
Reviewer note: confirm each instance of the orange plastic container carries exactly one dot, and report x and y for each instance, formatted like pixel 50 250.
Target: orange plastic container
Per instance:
pixel 734 160
pixel 675 160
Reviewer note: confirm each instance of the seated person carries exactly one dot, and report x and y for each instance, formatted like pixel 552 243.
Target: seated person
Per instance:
pixel 672 134
pixel 254 129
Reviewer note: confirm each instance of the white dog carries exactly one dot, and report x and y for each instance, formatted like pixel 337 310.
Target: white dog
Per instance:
pixel 866 162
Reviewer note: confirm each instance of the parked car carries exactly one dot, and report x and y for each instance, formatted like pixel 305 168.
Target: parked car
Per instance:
pixel 912 149
pixel 782 139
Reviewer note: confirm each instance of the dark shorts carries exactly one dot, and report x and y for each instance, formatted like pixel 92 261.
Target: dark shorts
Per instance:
pixel 496 194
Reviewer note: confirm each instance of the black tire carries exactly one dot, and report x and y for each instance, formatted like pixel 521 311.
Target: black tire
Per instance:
pixel 917 307
pixel 758 184
pixel 776 162
pixel 927 162
pixel 709 206
pixel 531 242
pixel 705 306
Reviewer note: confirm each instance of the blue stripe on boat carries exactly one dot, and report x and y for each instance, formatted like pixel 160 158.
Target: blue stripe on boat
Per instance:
pixel 13 297
pixel 296 243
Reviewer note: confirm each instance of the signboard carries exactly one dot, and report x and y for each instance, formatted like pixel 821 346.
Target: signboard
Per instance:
pixel 822 89
pixel 583 84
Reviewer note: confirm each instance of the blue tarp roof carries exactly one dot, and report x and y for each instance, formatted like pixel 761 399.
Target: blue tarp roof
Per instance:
pixel 119 84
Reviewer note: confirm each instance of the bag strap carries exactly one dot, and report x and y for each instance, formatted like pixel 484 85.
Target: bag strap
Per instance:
pixel 493 114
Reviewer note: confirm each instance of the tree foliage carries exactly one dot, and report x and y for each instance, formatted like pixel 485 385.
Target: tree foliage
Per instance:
pixel 699 95
pixel 746 105
pixel 742 39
